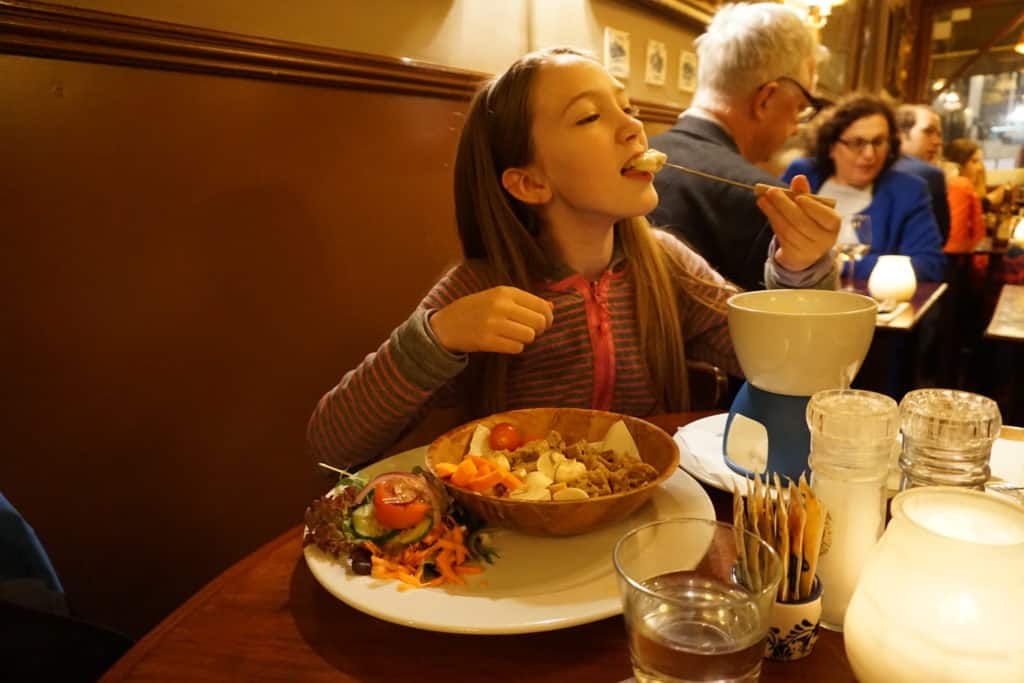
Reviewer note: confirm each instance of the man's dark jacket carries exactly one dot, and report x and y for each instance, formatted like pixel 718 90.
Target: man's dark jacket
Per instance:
pixel 721 222
pixel 936 180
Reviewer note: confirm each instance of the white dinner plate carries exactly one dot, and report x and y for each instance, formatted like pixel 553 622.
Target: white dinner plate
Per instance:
pixel 700 454
pixel 537 583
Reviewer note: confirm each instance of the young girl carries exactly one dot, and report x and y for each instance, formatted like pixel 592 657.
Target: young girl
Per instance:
pixel 566 296
pixel 966 219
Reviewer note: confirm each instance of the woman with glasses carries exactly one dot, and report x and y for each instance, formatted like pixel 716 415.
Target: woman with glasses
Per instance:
pixel 852 156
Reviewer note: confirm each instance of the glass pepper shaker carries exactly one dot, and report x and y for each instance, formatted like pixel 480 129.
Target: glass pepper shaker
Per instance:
pixel 853 434
pixel 947 438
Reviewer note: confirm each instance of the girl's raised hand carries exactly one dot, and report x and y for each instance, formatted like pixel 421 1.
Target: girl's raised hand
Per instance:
pixel 805 229
pixel 500 319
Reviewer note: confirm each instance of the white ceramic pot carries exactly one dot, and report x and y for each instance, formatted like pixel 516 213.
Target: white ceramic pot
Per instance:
pixel 799 341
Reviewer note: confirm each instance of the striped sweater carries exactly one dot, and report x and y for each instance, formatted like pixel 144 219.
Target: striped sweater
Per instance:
pixel 590 357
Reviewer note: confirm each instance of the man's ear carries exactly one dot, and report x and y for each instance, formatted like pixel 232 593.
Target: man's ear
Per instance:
pixel 759 105
pixel 526 185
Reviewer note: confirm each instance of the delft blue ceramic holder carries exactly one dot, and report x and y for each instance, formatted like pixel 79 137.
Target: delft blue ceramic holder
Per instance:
pixel 785 420
pixel 794 626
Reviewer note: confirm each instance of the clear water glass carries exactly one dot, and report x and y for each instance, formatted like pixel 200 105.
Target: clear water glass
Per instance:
pixel 692 612
pixel 853 243
pixel 947 438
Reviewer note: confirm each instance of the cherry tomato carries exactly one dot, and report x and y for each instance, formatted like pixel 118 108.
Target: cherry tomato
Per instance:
pixel 397 515
pixel 505 437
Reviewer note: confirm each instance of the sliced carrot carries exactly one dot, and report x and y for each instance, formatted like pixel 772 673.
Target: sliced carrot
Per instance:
pixel 511 481
pixel 484 482
pixel 445 469
pixel 465 472
pixel 482 464
pixel 469 569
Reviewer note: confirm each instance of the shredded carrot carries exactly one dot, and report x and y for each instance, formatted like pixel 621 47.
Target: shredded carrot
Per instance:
pixel 444 545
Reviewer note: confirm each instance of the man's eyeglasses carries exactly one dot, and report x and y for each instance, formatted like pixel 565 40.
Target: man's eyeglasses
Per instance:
pixel 858 145
pixel 814 104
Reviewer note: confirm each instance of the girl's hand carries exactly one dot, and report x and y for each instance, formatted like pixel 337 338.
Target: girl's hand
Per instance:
pixel 805 229
pixel 996 196
pixel 500 319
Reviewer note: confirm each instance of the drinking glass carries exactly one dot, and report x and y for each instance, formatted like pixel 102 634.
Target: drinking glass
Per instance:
pixel 694 612
pixel 853 243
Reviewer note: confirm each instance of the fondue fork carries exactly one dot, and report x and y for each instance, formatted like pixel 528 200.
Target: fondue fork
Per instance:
pixel 758 189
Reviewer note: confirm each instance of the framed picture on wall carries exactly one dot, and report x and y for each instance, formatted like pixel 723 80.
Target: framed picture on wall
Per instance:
pixel 616 52
pixel 687 71
pixel 655 63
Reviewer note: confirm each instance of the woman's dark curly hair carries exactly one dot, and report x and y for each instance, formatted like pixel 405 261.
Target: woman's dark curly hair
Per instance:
pixel 845 113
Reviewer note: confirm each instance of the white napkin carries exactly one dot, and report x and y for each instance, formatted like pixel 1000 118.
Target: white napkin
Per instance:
pixel 889 316
pixel 1007 461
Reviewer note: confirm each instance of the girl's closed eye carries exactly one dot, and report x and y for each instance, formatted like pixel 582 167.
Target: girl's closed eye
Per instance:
pixel 628 110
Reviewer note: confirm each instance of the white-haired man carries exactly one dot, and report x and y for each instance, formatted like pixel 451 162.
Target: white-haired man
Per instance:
pixel 920 144
pixel 756 69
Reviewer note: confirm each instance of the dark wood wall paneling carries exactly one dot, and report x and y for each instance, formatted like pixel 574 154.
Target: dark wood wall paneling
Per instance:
pixel 201 233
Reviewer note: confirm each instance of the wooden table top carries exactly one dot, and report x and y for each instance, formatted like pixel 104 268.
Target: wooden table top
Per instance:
pixel 267 618
pixel 1008 319
pixel 925 296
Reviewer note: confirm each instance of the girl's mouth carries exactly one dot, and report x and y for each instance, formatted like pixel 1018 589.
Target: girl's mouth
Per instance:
pixel 649 162
pixel 637 174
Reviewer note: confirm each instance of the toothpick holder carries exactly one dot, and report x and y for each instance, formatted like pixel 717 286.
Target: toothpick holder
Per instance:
pixel 793 627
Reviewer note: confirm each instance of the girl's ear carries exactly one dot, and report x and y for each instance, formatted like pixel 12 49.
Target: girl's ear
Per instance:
pixel 526 185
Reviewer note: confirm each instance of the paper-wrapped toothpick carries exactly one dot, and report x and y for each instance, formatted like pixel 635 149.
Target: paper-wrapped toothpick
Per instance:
pixel 788 517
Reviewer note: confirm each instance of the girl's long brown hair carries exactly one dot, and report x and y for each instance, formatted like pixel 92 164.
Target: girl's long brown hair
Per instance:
pixel 501 231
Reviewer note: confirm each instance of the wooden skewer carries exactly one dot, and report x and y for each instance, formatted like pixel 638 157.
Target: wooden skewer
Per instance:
pixel 758 189
pixel 331 468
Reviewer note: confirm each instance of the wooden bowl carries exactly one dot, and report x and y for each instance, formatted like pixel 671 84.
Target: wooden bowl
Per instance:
pixel 559 518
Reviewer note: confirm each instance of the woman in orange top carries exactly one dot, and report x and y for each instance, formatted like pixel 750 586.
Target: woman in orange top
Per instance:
pixel 966 221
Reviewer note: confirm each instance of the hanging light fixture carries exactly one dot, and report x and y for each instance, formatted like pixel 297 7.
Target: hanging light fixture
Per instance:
pixel 1019 47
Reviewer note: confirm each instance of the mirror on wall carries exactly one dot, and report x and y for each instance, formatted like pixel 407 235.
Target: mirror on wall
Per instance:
pixel 976 78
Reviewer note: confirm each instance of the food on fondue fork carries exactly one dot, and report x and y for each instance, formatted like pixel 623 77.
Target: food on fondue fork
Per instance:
pixel 650 161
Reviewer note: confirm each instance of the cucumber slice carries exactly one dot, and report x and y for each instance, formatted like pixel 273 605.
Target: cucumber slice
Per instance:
pixel 365 525
pixel 415 532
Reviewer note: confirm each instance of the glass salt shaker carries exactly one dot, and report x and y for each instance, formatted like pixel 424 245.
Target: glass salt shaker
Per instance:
pixel 853 434
pixel 947 438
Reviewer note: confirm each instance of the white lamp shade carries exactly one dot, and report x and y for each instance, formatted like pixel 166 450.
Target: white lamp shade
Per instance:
pixel 942 596
pixel 892 278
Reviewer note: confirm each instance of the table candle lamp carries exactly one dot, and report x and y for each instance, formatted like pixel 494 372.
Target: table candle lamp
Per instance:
pixel 941 598
pixel 892 278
